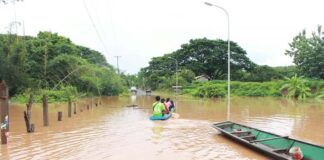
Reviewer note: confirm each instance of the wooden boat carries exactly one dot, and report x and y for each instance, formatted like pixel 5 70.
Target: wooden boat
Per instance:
pixel 272 145
pixel 164 117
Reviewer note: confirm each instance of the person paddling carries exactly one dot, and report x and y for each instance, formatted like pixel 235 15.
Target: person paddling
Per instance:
pixel 158 107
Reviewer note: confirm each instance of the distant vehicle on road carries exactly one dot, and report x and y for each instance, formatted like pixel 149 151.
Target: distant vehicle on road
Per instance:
pixel 133 89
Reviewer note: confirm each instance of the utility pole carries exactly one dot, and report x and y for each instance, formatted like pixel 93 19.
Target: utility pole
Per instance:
pixel 117 63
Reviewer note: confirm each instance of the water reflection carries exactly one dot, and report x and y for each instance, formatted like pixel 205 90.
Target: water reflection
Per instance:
pixel 157 132
pixel 133 99
pixel 113 131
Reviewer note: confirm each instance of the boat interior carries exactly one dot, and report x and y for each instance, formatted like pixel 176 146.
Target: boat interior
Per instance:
pixel 270 142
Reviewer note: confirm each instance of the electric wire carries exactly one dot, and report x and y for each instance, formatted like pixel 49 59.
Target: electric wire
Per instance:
pixel 94 26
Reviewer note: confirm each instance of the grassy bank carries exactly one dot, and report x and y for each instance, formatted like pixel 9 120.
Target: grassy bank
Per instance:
pixel 257 89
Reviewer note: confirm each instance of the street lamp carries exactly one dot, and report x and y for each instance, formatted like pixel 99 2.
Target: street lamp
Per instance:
pixel 228 60
pixel 176 73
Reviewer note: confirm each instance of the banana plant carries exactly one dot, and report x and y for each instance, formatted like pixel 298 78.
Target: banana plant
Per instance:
pixel 296 88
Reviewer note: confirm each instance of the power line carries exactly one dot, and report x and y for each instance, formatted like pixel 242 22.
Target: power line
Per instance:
pixel 94 26
pixel 110 9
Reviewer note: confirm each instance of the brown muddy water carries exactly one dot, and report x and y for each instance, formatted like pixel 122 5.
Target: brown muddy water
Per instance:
pixel 116 132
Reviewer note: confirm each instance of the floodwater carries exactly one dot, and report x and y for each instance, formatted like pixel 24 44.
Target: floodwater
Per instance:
pixel 116 130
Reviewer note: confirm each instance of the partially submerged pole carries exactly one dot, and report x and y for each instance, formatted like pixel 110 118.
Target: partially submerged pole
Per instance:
pixel 59 116
pixel 4 106
pixel 91 102
pixel 45 110
pixel 69 108
pixel 75 109
pixel 27 115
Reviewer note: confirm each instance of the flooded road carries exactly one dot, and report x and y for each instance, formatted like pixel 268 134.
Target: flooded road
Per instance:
pixel 118 131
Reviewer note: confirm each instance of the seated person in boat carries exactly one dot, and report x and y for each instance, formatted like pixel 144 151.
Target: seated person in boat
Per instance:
pixel 172 106
pixel 166 109
pixel 158 107
pixel 167 103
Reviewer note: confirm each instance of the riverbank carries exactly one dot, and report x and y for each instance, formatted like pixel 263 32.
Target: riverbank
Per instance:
pixel 55 96
pixel 212 89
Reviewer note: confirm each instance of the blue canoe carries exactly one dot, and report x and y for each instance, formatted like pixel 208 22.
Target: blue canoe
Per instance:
pixel 165 117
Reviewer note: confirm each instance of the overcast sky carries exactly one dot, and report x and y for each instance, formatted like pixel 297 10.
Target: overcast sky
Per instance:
pixel 138 30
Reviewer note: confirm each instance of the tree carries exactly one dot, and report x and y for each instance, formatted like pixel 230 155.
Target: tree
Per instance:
pixel 308 53
pixel 199 56
pixel 13 63
pixel 209 57
pixel 259 74
pixel 92 56
pixel 64 65
pixel 48 60
pixel 287 71
pixel 203 56
pixel 131 80
pixel 187 75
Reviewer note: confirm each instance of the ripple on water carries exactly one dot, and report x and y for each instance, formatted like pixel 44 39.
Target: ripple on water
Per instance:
pixel 195 138
pixel 119 134
pixel 280 124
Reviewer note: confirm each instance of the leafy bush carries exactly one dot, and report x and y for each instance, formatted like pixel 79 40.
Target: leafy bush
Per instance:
pixel 63 95
pixel 211 91
pixel 256 89
pixel 219 89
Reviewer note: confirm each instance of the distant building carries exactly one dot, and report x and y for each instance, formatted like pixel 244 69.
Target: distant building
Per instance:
pixel 202 78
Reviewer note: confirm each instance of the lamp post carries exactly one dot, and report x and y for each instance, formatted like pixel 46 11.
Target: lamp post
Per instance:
pixel 118 64
pixel 176 73
pixel 228 60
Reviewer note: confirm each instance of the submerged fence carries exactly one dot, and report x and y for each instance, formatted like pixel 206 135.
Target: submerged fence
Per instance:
pixel 4 108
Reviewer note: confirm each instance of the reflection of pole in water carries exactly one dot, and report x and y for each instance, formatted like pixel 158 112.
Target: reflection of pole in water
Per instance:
pixel 133 99
pixel 118 64
pixel 175 104
pixel 143 101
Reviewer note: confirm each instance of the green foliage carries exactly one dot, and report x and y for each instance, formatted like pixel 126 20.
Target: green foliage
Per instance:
pixel 92 56
pixel 308 53
pixel 296 88
pixel 70 92
pixel 132 80
pixel 198 57
pixel 208 57
pixel 211 91
pixel 187 75
pixel 286 71
pixel 320 94
pixel 219 89
pixel 258 74
pixel 50 60
pixel 52 95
